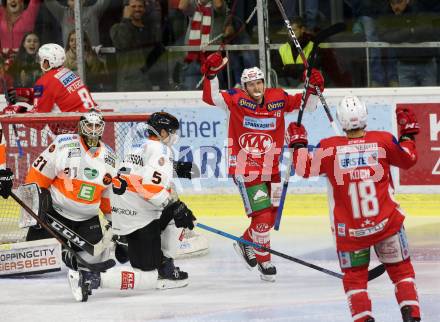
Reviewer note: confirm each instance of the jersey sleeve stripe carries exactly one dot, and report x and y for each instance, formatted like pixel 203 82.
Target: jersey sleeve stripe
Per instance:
pixel 35 176
pixel 105 205
pixel 79 191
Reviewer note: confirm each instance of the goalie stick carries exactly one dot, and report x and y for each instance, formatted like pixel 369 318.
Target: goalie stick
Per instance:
pixel 94 267
pixel 324 34
pixel 372 274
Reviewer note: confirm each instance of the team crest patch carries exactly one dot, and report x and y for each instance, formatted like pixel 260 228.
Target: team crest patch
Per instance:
pixel 247 104
pixel 107 179
pixel 273 106
pixel 91 173
pixel 52 148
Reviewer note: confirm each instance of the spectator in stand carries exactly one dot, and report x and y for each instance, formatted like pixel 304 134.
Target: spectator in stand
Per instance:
pixel 135 44
pixel 405 23
pixel 94 67
pixel 25 69
pixel 5 79
pixel 15 21
pixel 290 67
pixel 207 23
pixel 90 17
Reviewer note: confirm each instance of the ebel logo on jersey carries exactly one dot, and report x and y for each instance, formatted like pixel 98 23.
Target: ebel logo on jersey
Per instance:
pixel 255 143
pixel 358 159
pixel 259 124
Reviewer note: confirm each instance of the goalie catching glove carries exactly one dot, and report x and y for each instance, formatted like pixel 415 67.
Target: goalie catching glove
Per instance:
pixel 213 64
pixel 183 217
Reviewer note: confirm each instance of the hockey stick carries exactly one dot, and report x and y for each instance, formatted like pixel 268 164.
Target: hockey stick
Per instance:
pixel 94 267
pixel 17 140
pixel 334 29
pixel 372 274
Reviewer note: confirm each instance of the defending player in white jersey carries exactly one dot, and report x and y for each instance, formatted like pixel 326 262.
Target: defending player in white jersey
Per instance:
pixel 363 210
pixel 147 215
pixel 75 174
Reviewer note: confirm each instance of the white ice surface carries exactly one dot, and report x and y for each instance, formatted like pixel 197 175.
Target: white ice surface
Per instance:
pixel 222 289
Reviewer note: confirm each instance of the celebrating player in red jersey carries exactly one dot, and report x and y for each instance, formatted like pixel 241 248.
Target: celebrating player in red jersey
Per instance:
pixel 57 90
pixel 363 210
pixel 255 138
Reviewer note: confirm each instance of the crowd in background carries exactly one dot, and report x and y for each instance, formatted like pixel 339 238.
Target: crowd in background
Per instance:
pixel 141 30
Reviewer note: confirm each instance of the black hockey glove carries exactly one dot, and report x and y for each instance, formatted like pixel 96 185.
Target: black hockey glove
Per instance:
pixel 186 170
pixel 183 217
pixel 69 259
pixel 6 182
pixel 121 249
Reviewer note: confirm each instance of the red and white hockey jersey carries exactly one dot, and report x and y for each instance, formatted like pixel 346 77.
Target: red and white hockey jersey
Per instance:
pixel 255 131
pixel 362 207
pixel 79 181
pixel 61 90
pixel 148 170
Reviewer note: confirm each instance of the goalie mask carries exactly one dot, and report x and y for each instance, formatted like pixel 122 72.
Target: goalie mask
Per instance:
pixel 164 121
pixel 91 127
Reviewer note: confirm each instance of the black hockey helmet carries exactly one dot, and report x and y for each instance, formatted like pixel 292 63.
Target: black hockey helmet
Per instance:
pixel 162 121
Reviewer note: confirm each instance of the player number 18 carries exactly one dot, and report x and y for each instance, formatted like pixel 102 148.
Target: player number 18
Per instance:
pixel 363 199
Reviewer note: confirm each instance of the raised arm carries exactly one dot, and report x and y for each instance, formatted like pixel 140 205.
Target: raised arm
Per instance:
pixel 213 64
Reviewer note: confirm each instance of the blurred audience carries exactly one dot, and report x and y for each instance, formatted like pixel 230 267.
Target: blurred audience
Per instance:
pixel 6 80
pixel 136 46
pixel 406 23
pixel 91 13
pixel 94 68
pixel 15 21
pixel 206 27
pixel 25 69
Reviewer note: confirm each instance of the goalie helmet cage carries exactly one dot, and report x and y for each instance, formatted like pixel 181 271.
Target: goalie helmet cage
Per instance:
pixel 27 135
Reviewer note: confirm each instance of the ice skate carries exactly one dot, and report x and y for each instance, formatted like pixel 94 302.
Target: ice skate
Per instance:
pixel 247 254
pixel 406 314
pixel 171 276
pixel 267 271
pixel 82 283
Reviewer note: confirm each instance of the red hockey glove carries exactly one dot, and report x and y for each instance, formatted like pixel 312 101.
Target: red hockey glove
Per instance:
pixel 213 64
pixel 316 79
pixel 407 121
pixel 13 109
pixel 296 136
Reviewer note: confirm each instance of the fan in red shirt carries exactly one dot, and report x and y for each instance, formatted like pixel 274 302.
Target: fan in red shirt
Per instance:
pixel 255 137
pixel 58 90
pixel 363 210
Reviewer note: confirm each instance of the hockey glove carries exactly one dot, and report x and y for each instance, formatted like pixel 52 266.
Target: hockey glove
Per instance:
pixel 6 182
pixel 407 123
pixel 13 109
pixel 296 136
pixel 69 259
pixel 183 217
pixel 213 64
pixel 186 170
pixel 316 79
pixel 121 249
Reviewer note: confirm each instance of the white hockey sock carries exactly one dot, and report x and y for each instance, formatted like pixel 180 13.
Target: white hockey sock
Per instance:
pixel 126 277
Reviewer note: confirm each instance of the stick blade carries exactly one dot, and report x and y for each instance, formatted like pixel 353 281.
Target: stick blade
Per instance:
pixel 376 272
pixel 330 31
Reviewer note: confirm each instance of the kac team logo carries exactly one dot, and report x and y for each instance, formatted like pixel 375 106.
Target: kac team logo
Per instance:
pixel 256 143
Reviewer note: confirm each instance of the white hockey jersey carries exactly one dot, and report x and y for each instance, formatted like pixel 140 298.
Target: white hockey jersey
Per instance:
pixel 147 169
pixel 79 181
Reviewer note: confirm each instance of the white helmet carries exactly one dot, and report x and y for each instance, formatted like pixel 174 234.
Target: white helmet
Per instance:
pixel 91 127
pixel 352 113
pixel 251 74
pixel 53 53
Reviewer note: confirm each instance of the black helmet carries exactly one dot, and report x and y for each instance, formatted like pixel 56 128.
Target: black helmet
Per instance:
pixel 162 120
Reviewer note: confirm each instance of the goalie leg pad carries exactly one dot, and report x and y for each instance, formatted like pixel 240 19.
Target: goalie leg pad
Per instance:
pixel 128 278
pixel 170 240
pixel 355 285
pixel 144 247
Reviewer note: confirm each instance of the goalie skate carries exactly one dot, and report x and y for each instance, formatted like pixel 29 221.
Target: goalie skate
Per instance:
pixel 192 244
pixel 171 276
pixel 82 283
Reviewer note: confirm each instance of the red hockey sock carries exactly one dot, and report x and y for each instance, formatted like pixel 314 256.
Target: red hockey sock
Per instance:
pixel 259 233
pixel 402 274
pixel 355 286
